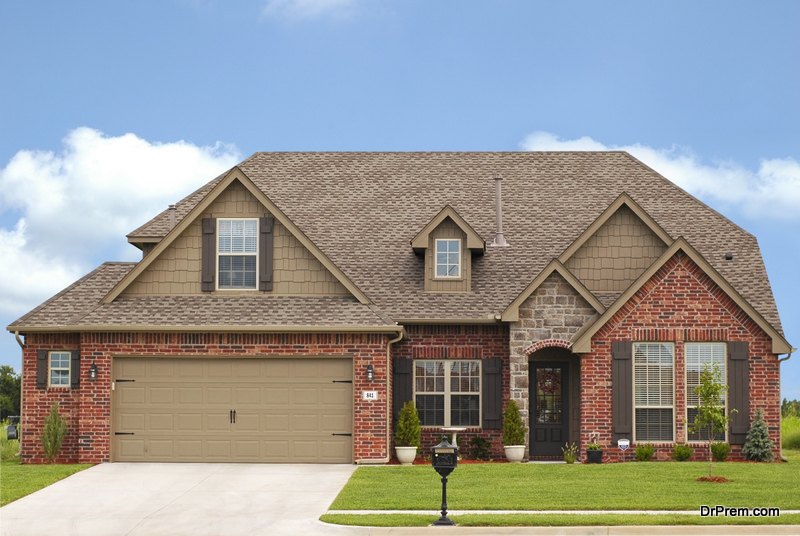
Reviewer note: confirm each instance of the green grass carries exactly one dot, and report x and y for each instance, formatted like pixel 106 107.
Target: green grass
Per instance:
pixel 17 480
pixel 626 486
pixel 790 432
pixel 552 520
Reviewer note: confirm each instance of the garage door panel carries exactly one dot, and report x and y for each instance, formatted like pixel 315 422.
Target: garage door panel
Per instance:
pixel 161 448
pixel 245 450
pixel 338 396
pixel 247 396
pixel 218 395
pixel 305 396
pixel 162 395
pixel 247 422
pixel 132 395
pixel 276 396
pixel 190 370
pixel 335 423
pixel 162 369
pixel 333 449
pixel 305 369
pixel 132 449
pixel 304 422
pixel 190 449
pixel 190 395
pixel 276 423
pixel 276 450
pixel 220 368
pixel 132 422
pixel 218 422
pixel 162 422
pixel 190 422
pixel 218 449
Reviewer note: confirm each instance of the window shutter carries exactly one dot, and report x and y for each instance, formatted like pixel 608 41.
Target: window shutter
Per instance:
pixel 622 390
pixel 209 264
pixel 739 390
pixel 265 254
pixel 492 394
pixel 75 369
pixel 41 368
pixel 402 384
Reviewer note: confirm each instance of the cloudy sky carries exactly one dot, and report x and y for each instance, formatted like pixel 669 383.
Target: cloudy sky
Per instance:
pixel 109 111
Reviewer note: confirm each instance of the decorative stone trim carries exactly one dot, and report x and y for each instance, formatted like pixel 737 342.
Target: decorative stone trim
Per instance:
pixel 548 343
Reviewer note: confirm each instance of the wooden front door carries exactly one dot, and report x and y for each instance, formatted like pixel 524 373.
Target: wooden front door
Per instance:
pixel 549 418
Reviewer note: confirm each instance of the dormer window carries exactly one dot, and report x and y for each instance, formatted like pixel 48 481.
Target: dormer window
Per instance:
pixel 448 258
pixel 237 253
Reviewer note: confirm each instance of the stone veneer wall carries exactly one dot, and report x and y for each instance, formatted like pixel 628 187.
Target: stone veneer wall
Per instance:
pixel 555 311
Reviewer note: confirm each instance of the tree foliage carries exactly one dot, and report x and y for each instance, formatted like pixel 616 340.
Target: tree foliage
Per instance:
pixel 513 427
pixel 408 430
pixel 10 390
pixel 53 433
pixel 711 417
pixel 758 446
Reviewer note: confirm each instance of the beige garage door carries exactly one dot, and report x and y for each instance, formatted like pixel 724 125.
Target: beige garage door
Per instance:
pixel 232 410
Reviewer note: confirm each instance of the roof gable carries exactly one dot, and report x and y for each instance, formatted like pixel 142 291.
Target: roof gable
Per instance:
pixel 474 241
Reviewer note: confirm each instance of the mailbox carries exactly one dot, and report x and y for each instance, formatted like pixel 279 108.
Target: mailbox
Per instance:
pixel 445 457
pixel 11 429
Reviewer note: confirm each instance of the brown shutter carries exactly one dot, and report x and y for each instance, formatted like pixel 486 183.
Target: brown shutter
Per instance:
pixel 492 393
pixel 265 254
pixel 209 263
pixel 402 384
pixel 739 391
pixel 41 368
pixel 75 369
pixel 622 390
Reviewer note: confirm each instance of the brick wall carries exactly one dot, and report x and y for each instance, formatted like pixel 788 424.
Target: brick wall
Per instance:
pixel 88 409
pixel 679 304
pixel 458 342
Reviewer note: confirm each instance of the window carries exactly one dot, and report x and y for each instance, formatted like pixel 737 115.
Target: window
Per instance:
pixel 59 369
pixel 448 393
pixel 700 356
pixel 448 258
pixel 654 408
pixel 237 253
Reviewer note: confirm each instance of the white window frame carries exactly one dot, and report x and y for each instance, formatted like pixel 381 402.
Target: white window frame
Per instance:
pixel 661 403
pixel 447 391
pixel 64 380
pixel 689 388
pixel 448 264
pixel 254 254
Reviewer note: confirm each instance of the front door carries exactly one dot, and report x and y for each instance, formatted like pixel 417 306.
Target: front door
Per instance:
pixel 549 416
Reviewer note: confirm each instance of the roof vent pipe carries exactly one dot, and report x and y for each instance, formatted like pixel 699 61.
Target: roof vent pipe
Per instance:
pixel 499 239
pixel 172 217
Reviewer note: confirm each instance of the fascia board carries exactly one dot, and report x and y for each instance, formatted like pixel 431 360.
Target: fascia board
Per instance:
pixel 207 329
pixel 474 240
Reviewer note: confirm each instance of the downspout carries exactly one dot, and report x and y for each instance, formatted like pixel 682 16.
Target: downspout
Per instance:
pixel 388 457
pixel 21 388
pixel 791 351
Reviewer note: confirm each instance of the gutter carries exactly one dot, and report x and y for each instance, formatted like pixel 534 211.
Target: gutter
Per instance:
pixel 212 329
pixel 388 411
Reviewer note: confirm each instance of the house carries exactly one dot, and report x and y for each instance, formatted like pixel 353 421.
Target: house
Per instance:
pixel 285 311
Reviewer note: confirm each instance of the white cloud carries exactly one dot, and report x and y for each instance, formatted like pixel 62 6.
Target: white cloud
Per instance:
pixel 307 9
pixel 772 191
pixel 83 200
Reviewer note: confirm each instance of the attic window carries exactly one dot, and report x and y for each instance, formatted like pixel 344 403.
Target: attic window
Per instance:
pixel 448 258
pixel 237 253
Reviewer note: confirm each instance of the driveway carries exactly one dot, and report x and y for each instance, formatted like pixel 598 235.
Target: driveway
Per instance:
pixel 214 499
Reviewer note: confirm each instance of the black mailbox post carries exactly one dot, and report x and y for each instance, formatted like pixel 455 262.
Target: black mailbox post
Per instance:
pixel 445 460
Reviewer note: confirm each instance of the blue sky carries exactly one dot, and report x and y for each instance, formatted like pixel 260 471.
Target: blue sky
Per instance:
pixel 111 110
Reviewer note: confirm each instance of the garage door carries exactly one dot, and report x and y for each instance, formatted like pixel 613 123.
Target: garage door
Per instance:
pixel 232 410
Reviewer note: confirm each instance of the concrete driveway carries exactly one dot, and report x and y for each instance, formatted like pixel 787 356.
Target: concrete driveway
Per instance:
pixel 162 499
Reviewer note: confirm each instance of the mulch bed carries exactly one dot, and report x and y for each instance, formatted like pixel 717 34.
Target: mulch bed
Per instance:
pixel 715 479
pixel 420 461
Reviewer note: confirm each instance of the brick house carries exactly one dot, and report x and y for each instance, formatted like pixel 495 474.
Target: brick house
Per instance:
pixel 284 312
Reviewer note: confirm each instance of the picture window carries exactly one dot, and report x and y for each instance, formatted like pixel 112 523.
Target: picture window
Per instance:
pixel 448 393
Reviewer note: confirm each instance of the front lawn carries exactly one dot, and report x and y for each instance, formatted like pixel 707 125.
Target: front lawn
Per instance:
pixel 623 486
pixel 17 480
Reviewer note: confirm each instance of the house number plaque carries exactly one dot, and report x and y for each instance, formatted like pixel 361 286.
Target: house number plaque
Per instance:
pixel 370 395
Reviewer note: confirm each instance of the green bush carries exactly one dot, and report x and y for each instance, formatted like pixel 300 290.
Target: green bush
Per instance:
pixel 644 452
pixel 570 452
pixel 790 432
pixel 53 433
pixel 479 448
pixel 720 451
pixel 408 430
pixel 513 427
pixel 758 446
pixel 682 452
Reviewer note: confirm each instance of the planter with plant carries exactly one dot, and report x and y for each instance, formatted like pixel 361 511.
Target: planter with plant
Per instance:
pixel 594 452
pixel 407 434
pixel 513 433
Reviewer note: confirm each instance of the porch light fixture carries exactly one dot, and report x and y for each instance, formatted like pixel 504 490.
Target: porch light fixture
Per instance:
pixel 370 373
pixel 93 372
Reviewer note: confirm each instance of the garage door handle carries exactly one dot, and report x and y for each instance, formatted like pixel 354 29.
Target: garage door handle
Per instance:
pixel 124 433
pixel 342 381
pixel 348 435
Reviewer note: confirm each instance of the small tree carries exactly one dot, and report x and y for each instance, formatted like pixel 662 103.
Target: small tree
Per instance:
pixel 513 427
pixel 408 430
pixel 53 433
pixel 711 417
pixel 758 446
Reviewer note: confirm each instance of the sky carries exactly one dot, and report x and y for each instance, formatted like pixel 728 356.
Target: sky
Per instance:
pixel 109 111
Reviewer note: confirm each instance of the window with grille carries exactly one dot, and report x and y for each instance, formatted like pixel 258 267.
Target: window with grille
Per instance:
pixel 701 356
pixel 448 258
pixel 59 369
pixel 448 393
pixel 654 391
pixel 237 253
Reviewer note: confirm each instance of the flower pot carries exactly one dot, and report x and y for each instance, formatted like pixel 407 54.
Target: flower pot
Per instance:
pixel 515 453
pixel 406 455
pixel 594 456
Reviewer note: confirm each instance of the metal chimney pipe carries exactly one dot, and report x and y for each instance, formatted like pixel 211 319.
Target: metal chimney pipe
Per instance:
pixel 172 217
pixel 499 239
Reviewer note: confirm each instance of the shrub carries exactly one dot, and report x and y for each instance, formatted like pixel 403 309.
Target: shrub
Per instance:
pixel 720 451
pixel 790 432
pixel 570 452
pixel 758 446
pixel 408 430
pixel 479 448
pixel 53 433
pixel 513 427
pixel 682 452
pixel 644 452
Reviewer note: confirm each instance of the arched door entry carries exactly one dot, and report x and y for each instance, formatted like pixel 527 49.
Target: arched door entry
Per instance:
pixel 549 418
